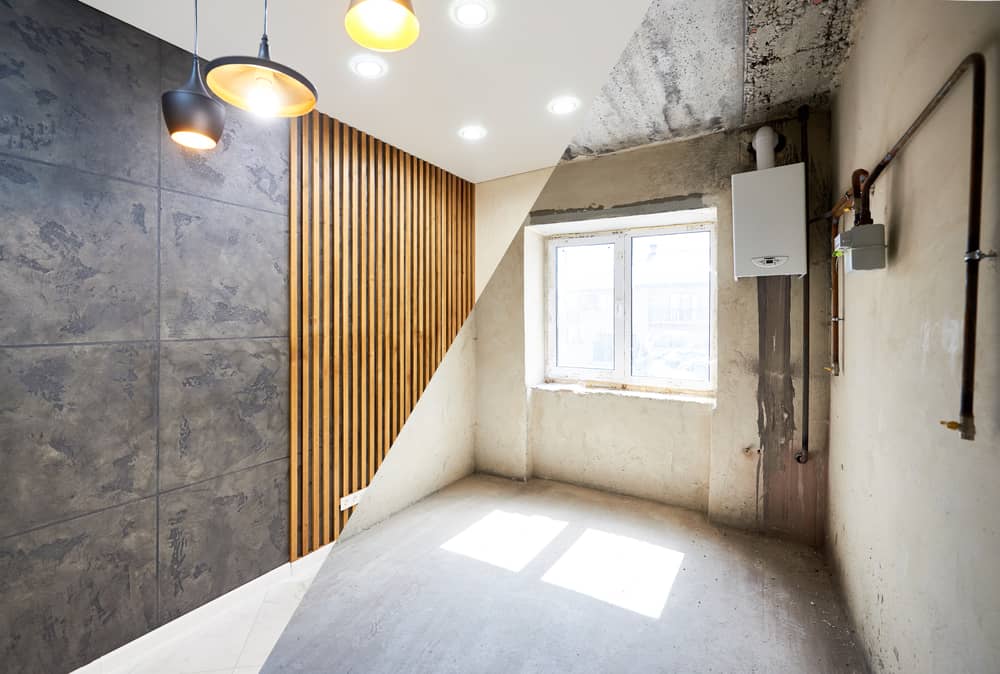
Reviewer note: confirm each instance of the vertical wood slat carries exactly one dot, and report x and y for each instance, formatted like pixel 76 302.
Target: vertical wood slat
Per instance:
pixel 381 254
pixel 314 329
pixel 293 338
pixel 306 350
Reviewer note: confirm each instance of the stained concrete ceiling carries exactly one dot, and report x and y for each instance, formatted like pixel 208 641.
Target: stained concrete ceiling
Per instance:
pixel 698 66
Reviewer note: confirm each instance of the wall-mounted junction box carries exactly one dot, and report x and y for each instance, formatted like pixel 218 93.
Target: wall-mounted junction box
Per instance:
pixel 863 247
pixel 769 222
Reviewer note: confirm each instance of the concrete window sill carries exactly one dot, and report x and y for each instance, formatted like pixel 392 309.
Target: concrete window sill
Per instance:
pixel 580 389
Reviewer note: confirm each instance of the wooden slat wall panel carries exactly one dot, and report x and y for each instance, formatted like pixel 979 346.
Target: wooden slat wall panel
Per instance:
pixel 380 283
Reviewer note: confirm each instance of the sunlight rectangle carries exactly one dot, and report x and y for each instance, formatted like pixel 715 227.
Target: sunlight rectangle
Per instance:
pixel 507 540
pixel 618 570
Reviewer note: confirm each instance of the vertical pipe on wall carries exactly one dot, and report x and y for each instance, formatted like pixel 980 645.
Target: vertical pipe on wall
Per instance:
pixel 802 456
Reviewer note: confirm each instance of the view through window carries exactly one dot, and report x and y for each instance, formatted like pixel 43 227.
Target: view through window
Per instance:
pixel 632 308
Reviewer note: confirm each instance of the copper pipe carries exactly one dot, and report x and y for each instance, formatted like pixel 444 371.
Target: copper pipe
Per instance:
pixel 973 255
pixel 835 319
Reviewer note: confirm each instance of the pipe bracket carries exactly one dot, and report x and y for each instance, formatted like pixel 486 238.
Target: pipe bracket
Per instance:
pixel 977 255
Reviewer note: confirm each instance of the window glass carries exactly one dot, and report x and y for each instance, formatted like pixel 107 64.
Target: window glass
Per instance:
pixel 670 312
pixel 585 306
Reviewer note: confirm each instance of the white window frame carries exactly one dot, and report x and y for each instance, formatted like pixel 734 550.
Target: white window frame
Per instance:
pixel 621 377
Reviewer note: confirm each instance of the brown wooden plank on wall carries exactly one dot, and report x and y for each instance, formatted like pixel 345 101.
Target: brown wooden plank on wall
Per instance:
pixel 381 248
pixel 314 330
pixel 327 331
pixel 293 338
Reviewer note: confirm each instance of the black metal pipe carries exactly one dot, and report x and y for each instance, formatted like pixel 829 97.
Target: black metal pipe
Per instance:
pixel 973 255
pixel 802 456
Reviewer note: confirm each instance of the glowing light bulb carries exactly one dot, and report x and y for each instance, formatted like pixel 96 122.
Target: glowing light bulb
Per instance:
pixel 471 14
pixel 262 98
pixel 382 25
pixel 385 18
pixel 369 66
pixel 564 105
pixel 193 140
pixel 472 133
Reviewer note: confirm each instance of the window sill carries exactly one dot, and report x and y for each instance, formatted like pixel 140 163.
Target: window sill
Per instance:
pixel 580 389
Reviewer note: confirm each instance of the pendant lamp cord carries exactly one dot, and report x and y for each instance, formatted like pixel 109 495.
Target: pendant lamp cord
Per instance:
pixel 265 18
pixel 195 30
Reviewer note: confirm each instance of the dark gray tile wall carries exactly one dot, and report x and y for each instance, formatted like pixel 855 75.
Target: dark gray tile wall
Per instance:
pixel 143 343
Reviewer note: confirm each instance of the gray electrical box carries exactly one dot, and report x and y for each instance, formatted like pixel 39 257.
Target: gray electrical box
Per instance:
pixel 863 247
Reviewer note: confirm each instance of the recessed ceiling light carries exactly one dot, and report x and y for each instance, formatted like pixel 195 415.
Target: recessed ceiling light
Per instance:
pixel 564 105
pixel 473 132
pixel 472 13
pixel 369 66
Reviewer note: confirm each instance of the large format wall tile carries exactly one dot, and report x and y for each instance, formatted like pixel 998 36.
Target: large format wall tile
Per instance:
pixel 78 88
pixel 249 166
pixel 224 270
pixel 77 431
pixel 219 534
pixel 74 591
pixel 223 407
pixel 77 256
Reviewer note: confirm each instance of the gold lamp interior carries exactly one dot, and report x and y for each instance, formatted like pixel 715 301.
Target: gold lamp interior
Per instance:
pixel 382 25
pixel 260 86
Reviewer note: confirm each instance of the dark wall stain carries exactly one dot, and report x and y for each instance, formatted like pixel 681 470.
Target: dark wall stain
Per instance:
pixel 775 391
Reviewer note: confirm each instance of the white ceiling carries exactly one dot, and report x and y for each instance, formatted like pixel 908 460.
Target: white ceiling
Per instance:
pixel 501 76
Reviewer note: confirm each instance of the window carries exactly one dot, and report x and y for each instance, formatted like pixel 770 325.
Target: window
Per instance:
pixel 632 308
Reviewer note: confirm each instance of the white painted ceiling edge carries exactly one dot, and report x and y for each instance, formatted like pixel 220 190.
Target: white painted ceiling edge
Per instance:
pixel 501 76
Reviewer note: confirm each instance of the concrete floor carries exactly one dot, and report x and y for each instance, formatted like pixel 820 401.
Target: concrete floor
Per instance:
pixel 490 575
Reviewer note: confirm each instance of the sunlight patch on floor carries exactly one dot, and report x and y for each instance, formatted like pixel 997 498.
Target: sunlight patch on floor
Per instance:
pixel 618 570
pixel 507 540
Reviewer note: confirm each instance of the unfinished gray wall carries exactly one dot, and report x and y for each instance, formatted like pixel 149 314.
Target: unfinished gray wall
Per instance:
pixel 143 348
pixel 706 458
pixel 913 508
pixel 436 444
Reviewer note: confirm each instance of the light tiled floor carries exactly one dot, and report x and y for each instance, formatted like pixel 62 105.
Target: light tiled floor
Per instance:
pixel 235 640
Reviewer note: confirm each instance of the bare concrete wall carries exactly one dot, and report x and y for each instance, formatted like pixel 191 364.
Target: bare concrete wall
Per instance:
pixel 435 447
pixel 501 207
pixel 913 508
pixel 617 442
pixel 688 174
pixel 501 403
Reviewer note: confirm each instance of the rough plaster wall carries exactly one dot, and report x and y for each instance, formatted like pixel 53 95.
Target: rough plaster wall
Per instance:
pixel 692 173
pixel 913 508
pixel 697 170
pixel 628 444
pixel 143 343
pixel 502 415
pixel 436 444
pixel 501 207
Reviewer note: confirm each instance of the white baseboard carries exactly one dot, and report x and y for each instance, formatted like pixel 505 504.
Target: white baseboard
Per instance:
pixel 121 658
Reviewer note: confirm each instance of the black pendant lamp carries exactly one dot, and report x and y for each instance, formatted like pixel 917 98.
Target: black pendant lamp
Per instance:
pixel 259 84
pixel 194 119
